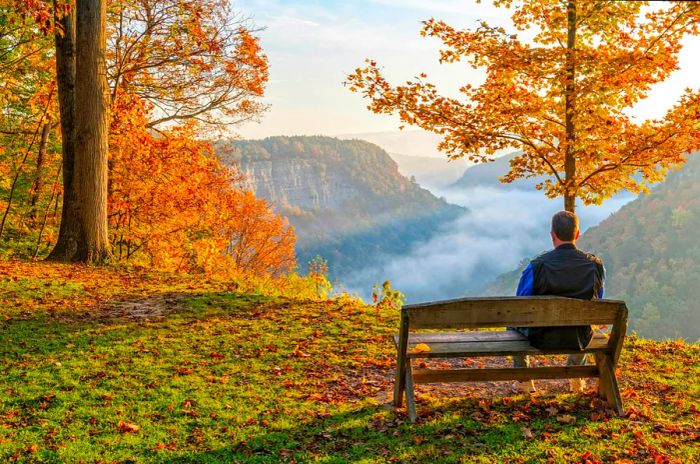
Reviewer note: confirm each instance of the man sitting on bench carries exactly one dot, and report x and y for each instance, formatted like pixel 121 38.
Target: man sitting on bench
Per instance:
pixel 564 271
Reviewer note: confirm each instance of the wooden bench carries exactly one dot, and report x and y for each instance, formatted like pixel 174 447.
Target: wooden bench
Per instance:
pixel 477 313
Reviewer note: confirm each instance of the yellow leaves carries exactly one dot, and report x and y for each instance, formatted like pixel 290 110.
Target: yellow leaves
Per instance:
pixel 173 205
pixel 421 348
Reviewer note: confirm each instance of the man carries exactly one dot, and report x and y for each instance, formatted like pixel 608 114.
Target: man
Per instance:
pixel 564 271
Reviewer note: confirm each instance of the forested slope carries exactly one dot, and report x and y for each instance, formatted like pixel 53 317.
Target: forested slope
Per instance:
pixel 651 249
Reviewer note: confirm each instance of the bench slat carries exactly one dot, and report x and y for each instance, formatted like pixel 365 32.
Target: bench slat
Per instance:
pixel 457 350
pixel 448 337
pixel 515 373
pixel 443 341
pixel 529 311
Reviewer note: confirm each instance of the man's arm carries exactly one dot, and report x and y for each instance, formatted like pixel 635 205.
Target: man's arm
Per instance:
pixel 527 282
pixel 601 292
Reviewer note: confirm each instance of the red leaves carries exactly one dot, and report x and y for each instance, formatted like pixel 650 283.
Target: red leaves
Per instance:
pixel 588 458
pixel 217 356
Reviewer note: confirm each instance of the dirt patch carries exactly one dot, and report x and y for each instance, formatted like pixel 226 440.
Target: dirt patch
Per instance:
pixel 143 308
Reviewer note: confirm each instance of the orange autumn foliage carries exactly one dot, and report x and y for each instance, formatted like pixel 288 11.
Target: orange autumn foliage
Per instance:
pixel 173 206
pixel 562 97
pixel 192 60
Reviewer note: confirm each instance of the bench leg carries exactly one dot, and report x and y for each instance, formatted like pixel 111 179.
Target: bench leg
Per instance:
pixel 607 385
pixel 399 383
pixel 410 394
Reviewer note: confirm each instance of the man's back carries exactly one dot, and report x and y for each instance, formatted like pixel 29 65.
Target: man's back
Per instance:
pixel 568 271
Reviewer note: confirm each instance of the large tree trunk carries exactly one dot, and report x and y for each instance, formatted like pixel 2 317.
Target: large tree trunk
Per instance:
pixel 92 127
pixel 70 232
pixel 84 106
pixel 570 109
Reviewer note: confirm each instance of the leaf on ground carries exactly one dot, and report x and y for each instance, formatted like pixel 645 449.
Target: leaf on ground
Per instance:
pixel 566 419
pixel 128 427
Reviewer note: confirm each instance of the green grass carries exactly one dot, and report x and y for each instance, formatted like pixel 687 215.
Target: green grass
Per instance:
pixel 226 377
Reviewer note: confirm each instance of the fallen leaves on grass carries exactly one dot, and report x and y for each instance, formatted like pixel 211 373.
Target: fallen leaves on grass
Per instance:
pixel 128 427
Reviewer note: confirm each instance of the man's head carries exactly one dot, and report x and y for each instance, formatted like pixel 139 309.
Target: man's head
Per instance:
pixel 564 228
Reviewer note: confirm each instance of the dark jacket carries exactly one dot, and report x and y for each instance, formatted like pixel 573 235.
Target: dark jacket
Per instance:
pixel 564 271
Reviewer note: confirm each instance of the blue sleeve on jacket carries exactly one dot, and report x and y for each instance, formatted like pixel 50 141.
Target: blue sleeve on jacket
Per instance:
pixel 601 292
pixel 527 282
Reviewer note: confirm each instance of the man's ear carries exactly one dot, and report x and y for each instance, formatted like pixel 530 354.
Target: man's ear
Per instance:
pixel 553 235
pixel 578 233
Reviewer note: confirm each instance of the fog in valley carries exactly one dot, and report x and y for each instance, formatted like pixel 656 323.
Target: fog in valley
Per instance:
pixel 502 227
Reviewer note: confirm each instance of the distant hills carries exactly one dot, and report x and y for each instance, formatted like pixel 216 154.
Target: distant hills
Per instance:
pixel 416 153
pixel 346 198
pixel 407 142
pixel 487 175
pixel 429 171
pixel 651 250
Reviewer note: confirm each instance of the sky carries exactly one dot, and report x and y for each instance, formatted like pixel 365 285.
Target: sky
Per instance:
pixel 313 44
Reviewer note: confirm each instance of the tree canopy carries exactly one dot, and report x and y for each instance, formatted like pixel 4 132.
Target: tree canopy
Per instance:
pixel 563 97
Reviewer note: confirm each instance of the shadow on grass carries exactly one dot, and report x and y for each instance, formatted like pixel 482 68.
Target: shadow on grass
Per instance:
pixel 447 433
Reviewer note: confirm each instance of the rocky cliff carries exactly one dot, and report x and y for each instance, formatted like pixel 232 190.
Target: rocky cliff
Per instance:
pixel 298 183
pixel 346 198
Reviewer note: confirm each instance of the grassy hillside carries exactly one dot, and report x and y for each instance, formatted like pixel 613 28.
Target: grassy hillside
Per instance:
pixel 124 367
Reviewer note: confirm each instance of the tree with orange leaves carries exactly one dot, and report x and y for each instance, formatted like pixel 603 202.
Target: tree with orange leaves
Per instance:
pixel 562 97
pixel 192 60
pixel 172 205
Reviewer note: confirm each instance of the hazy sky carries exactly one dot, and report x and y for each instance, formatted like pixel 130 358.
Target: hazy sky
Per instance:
pixel 313 44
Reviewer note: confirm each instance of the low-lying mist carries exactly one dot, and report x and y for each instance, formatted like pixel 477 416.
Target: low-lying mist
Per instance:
pixel 502 227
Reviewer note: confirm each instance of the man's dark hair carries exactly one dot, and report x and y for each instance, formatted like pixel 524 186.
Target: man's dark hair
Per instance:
pixel 565 225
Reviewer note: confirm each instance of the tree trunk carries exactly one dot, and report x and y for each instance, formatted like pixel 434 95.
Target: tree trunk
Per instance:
pixel 84 105
pixel 37 184
pixel 91 127
pixel 570 109
pixel 70 233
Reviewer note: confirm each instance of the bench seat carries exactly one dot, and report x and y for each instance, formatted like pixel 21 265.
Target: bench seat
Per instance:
pixel 502 343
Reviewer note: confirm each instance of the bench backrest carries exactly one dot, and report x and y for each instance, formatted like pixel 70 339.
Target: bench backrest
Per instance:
pixel 530 311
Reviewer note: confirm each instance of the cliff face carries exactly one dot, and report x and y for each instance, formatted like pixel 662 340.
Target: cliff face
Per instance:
pixel 298 183
pixel 346 198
